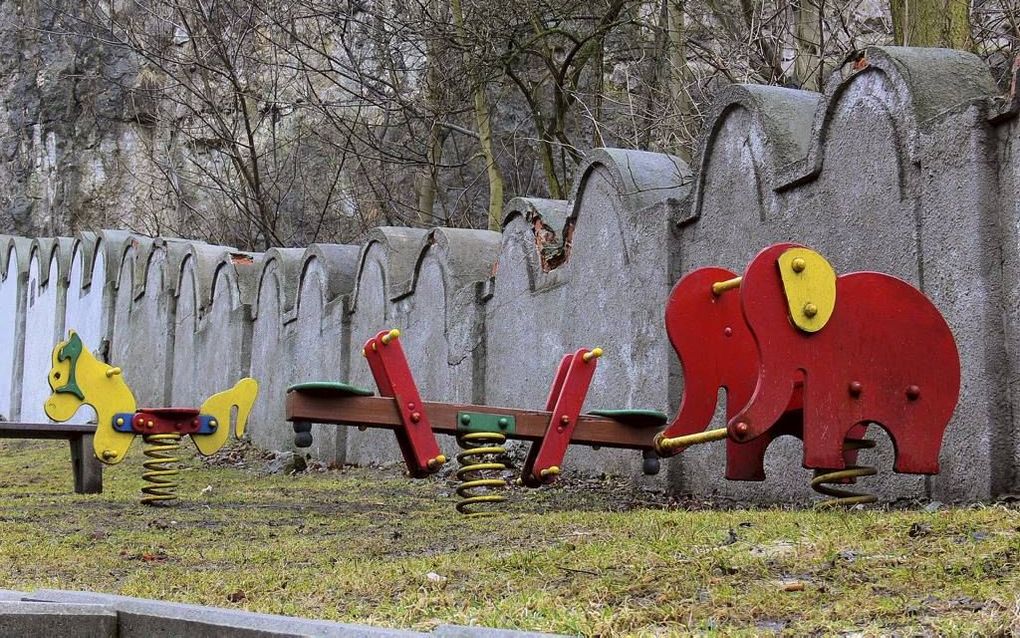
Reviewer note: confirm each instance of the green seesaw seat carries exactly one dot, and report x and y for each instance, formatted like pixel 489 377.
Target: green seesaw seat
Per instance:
pixel 330 388
pixel 634 418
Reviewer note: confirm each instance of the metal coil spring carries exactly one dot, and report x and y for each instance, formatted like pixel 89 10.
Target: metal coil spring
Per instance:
pixel 160 467
pixel 823 480
pixel 479 472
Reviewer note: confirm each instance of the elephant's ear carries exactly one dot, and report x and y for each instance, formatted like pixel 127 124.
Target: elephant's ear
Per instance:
pixel 810 285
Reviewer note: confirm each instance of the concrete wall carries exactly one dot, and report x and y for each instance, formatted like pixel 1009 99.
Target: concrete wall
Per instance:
pixel 272 362
pixel 44 312
pixel 907 163
pixel 12 294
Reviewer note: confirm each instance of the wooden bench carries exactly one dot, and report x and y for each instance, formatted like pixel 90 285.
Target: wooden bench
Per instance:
pixel 88 471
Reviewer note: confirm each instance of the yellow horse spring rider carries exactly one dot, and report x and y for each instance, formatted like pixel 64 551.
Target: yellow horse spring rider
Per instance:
pixel 77 378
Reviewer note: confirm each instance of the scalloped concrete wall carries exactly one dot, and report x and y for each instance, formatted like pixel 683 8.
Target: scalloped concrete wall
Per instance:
pixel 908 163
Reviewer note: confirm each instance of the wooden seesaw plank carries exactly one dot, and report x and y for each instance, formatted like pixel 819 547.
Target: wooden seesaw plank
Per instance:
pixel 381 412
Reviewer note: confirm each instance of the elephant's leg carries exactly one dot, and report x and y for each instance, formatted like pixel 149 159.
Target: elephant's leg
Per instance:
pixel 768 403
pixel 917 448
pixel 850 452
pixel 697 406
pixel 825 429
pixel 746 461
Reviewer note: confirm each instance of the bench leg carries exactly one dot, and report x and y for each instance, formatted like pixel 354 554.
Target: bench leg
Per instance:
pixel 88 471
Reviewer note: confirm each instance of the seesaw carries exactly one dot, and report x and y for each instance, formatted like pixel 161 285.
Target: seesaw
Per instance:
pixel 800 351
pixel 480 430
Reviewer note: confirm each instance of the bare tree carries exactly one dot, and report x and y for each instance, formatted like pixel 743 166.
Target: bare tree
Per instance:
pixel 281 122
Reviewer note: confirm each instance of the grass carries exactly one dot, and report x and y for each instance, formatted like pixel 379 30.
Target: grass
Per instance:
pixel 369 546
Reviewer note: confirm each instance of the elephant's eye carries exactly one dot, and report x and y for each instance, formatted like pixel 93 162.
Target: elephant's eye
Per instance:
pixel 56 375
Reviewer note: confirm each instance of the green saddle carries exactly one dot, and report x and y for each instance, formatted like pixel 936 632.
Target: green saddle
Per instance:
pixel 634 418
pixel 330 388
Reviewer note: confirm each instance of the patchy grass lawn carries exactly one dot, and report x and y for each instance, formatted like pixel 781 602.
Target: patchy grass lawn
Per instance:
pixel 369 546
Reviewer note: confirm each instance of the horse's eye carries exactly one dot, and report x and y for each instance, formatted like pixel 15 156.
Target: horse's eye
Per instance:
pixel 56 375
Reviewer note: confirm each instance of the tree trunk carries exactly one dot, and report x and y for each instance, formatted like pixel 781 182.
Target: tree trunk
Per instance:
pixel 808 63
pixel 428 175
pixel 932 23
pixel 428 179
pixel 677 79
pixel 484 123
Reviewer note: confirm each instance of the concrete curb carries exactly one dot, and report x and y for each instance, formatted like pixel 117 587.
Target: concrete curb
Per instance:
pixel 53 612
pixel 45 620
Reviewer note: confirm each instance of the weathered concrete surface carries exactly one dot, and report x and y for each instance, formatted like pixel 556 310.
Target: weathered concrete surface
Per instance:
pixel 320 349
pixel 85 311
pixel 442 316
pixel 212 331
pixel 44 322
pixel 138 618
pixel 102 615
pixel 11 594
pixel 1007 231
pixel 12 313
pixel 272 360
pixel 45 620
pixel 618 231
pixel 143 312
pixel 385 273
pixel 963 265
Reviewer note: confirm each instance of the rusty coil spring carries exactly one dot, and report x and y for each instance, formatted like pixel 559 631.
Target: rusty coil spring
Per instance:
pixel 824 481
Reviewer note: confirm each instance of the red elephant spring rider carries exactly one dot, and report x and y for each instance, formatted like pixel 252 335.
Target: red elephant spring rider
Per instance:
pixel 799 350
pixel 803 352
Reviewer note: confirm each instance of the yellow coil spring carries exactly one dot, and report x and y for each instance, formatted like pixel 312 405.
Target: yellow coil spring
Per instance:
pixel 842 497
pixel 160 468
pixel 475 488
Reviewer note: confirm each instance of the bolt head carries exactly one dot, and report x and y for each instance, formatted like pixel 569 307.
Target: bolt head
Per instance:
pixel 465 419
pixel 728 331
pixel 913 392
pixel 742 428
pixel 552 470
pixel 810 310
pixel 798 264
pixel 855 388
pixel 415 417
pixel 503 423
